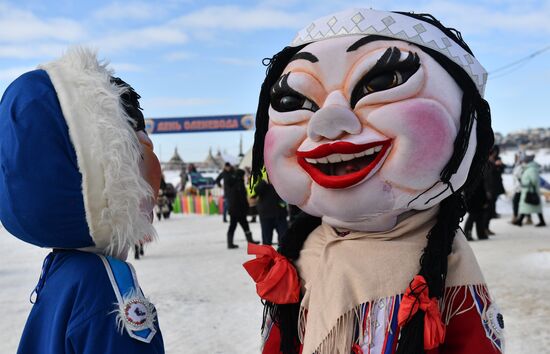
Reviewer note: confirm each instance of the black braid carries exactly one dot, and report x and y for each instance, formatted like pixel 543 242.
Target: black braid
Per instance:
pixel 433 267
pixel 433 262
pixel 286 316
pixel 275 68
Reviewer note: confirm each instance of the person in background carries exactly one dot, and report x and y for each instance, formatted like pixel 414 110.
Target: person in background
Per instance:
pixel 138 250
pixel 162 182
pixel 225 176
pixel 493 184
pixel 477 205
pixel 530 183
pixel 183 181
pixel 191 168
pixel 238 208
pixel 251 195
pixel 293 213
pixel 516 177
pixel 272 211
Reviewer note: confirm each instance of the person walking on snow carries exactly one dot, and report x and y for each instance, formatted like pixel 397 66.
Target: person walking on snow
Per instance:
pixel 238 208
pixel 272 211
pixel 225 176
pixel 530 186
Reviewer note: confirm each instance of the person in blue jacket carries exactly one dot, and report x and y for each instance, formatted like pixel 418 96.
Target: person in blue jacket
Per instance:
pixel 78 175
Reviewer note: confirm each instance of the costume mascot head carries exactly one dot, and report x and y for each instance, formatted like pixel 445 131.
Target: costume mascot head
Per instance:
pixel 369 122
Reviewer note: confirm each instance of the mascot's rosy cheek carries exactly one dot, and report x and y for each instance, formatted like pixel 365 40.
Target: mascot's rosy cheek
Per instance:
pixel 281 143
pixel 423 133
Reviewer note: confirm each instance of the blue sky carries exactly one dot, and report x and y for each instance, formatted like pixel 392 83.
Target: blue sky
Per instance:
pixel 191 58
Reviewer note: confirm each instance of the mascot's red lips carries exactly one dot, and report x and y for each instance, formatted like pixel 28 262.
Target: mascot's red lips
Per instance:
pixel 342 164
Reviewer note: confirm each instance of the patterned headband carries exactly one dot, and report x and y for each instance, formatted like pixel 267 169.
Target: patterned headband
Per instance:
pixel 393 25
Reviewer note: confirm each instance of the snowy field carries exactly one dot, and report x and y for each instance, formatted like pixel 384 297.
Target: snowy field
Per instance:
pixel 207 302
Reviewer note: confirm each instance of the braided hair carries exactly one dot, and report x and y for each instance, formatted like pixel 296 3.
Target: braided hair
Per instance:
pixel 433 262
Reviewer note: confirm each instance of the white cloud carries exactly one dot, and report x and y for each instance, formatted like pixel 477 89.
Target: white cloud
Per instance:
pixel 177 56
pixel 176 102
pixel 31 51
pixel 18 26
pixel 483 19
pixel 141 38
pixel 25 36
pixel 129 11
pixel 281 3
pixel 238 18
pixel 239 61
pixel 125 67
pixel 476 18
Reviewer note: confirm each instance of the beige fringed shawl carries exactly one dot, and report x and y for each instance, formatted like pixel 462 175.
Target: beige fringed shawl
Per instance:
pixel 340 273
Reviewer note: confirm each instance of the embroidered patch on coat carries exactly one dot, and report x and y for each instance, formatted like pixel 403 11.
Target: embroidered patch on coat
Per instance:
pixel 138 316
pixel 134 313
pixel 138 313
pixel 493 321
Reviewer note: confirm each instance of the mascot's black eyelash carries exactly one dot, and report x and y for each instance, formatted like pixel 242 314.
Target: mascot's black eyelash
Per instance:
pixel 388 62
pixel 282 88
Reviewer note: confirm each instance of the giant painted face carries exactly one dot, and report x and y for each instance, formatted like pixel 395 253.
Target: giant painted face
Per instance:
pixel 358 129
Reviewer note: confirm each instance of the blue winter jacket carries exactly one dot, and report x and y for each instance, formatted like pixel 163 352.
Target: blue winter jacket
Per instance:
pixel 79 296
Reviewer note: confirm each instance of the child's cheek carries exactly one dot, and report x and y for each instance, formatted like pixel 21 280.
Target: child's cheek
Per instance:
pixel 150 169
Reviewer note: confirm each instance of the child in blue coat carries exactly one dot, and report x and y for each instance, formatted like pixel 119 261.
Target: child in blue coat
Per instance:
pixel 78 175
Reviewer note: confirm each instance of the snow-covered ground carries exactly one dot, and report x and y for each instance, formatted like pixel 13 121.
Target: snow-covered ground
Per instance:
pixel 207 302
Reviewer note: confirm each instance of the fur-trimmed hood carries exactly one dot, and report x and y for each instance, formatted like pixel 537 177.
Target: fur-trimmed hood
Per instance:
pixel 69 160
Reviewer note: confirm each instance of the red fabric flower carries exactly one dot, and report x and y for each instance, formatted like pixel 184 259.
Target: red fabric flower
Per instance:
pixel 276 278
pixel 417 297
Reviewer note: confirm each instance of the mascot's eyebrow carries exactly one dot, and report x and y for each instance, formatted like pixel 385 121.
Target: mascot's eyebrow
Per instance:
pixel 305 56
pixel 364 41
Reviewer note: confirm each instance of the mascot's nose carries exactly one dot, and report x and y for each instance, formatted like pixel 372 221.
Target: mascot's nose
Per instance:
pixel 334 119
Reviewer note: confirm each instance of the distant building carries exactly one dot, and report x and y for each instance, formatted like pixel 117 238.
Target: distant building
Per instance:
pixel 535 138
pixel 175 163
pixel 212 162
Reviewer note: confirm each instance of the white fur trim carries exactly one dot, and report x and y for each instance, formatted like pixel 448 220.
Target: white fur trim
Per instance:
pixel 107 150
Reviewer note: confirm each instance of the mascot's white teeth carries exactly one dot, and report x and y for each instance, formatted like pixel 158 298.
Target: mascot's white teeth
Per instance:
pixel 334 158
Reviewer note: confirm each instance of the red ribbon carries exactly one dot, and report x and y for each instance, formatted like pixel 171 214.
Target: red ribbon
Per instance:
pixel 417 297
pixel 356 349
pixel 276 278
